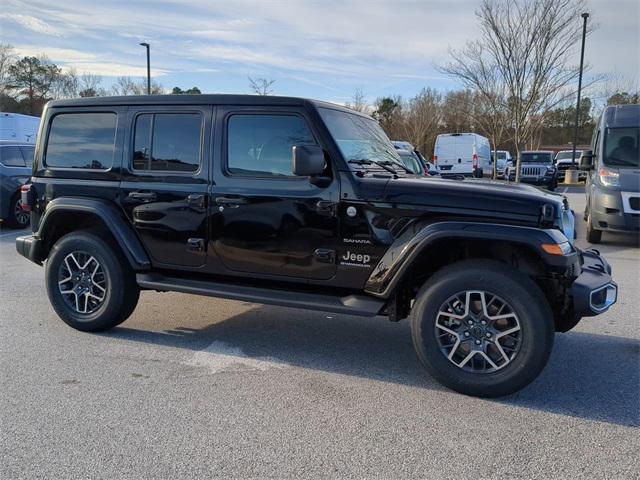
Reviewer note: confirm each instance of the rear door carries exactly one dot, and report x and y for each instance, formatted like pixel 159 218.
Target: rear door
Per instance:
pixel 165 181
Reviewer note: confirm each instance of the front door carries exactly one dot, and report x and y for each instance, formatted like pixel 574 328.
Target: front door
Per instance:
pixel 265 220
pixel 165 181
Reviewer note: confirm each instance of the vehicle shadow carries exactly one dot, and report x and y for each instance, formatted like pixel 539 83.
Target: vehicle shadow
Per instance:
pixel 596 377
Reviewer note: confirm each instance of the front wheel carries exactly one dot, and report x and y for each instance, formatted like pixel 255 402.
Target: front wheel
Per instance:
pixel 89 284
pixel 593 234
pixel 481 328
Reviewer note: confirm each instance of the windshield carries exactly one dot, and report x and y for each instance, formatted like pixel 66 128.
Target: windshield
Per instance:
pixel 502 155
pixel 568 155
pixel 535 157
pixel 621 147
pixel 358 137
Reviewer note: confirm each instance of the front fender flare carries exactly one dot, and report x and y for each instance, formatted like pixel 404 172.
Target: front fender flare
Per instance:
pixel 112 218
pixel 408 246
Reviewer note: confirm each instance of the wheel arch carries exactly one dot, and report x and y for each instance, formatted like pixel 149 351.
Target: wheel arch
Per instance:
pixel 430 246
pixel 67 214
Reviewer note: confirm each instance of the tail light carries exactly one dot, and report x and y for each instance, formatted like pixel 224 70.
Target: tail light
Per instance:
pixel 435 159
pixel 26 197
pixel 475 160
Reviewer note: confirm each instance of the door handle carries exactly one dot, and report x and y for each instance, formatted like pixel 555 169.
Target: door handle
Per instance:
pixel 231 201
pixel 149 196
pixel 195 200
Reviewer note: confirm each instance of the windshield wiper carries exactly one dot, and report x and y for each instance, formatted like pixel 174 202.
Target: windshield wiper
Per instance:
pixel 389 162
pixel 365 161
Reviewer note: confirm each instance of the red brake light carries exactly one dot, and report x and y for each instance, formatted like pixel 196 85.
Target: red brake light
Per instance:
pixel 435 159
pixel 24 196
pixel 475 160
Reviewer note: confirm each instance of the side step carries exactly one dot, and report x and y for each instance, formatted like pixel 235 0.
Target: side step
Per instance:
pixel 361 305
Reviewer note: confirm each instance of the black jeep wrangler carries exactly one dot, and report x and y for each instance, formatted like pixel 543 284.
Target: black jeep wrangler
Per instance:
pixel 303 204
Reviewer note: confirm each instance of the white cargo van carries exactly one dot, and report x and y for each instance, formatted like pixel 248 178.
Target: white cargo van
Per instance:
pixel 18 128
pixel 463 154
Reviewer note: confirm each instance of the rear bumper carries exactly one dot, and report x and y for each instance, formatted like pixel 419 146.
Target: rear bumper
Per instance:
pixel 29 247
pixel 594 291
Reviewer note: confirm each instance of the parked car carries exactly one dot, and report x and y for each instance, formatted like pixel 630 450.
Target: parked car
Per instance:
pixel 564 161
pixel 16 159
pixel 300 203
pixel 613 166
pixel 537 168
pixel 15 127
pixel 504 160
pixel 467 154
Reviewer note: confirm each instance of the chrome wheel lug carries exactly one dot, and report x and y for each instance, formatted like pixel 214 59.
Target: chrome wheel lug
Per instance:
pixel 466 334
pixel 483 322
pixel 477 342
pixel 469 322
pixel 488 335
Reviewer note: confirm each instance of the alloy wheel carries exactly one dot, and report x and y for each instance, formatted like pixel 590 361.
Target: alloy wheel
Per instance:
pixel 82 282
pixel 21 217
pixel 478 331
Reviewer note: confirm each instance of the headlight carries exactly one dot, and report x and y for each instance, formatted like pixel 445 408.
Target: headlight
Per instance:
pixel 609 178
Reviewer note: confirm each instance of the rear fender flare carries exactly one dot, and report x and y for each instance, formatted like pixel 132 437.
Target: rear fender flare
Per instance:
pixel 111 217
pixel 391 269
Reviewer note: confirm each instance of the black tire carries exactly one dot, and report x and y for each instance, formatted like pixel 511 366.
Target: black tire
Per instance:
pixel 528 303
pixel 121 291
pixel 593 234
pixel 17 219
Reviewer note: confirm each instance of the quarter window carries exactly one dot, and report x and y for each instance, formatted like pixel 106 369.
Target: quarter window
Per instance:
pixel 168 142
pixel 81 140
pixel 262 144
pixel 11 157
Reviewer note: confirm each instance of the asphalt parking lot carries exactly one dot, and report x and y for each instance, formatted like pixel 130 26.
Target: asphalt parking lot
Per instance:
pixel 192 387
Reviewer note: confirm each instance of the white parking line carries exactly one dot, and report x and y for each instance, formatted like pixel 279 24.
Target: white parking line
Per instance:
pixel 220 357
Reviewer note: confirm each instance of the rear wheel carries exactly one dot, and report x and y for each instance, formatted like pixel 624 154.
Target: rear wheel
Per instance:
pixel 89 284
pixel 482 328
pixel 593 234
pixel 18 218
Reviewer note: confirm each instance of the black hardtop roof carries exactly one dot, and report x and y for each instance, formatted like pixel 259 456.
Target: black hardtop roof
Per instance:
pixel 622 116
pixel 208 99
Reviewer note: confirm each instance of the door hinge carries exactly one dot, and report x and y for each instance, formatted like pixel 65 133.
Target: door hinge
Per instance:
pixel 195 244
pixel 325 255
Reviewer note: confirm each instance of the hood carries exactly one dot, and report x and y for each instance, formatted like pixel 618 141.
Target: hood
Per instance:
pixel 471 196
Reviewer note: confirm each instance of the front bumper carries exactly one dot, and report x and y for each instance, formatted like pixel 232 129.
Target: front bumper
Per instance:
pixel 593 290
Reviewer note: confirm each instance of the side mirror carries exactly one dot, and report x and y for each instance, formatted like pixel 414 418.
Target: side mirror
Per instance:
pixel 308 160
pixel 586 160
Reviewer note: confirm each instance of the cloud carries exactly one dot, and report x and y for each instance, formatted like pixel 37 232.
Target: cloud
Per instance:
pixel 87 62
pixel 34 24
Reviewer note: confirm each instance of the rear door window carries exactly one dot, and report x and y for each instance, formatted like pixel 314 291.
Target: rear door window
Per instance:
pixel 81 140
pixel 169 142
pixel 11 156
pixel 27 153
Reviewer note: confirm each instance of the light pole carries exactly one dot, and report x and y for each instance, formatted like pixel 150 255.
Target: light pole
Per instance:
pixel 572 177
pixel 146 45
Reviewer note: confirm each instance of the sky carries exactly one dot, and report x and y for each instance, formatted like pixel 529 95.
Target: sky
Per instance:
pixel 318 49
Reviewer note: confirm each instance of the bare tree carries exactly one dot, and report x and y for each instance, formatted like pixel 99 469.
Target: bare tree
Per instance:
pixel 261 86
pixel 358 102
pixel 421 116
pixel 128 86
pixel 7 58
pixel 90 85
pixel 525 50
pixel 65 85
